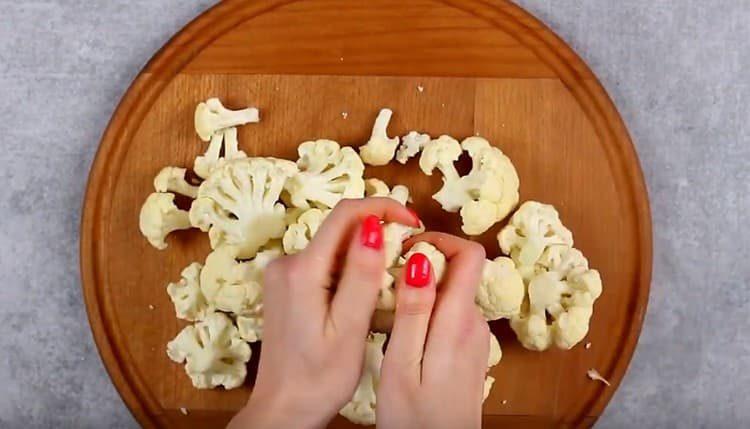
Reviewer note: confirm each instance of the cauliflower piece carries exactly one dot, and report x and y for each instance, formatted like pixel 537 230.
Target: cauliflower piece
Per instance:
pixel 495 355
pixel 379 150
pixel 172 179
pixel 211 117
pixel 411 145
pixel 532 229
pixel 250 328
pixel 214 353
pixel 189 302
pixel 299 234
pixel 361 408
pixel 233 286
pixel 441 153
pixel 210 161
pixel 328 173
pixel 238 204
pixel 159 217
pixel 501 291
pixel 564 288
pixel 488 382
pixel 436 257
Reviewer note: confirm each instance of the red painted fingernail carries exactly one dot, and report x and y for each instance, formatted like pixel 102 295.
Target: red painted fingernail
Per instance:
pixel 418 270
pixel 415 216
pixel 372 233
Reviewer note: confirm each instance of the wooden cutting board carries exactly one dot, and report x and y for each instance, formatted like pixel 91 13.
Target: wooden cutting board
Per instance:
pixel 486 68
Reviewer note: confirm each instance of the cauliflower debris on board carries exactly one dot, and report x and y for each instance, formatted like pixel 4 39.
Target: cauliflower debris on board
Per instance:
pixel 532 228
pixel 411 144
pixel 564 288
pixel 299 233
pixel 207 163
pixel 214 353
pixel 501 291
pixel 172 179
pixel 594 375
pixel 379 150
pixel 327 174
pixel 212 117
pixel 160 216
pixel 361 408
pixel 189 302
pixel 239 204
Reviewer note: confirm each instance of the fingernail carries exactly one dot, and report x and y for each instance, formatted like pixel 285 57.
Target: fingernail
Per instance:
pixel 414 214
pixel 418 270
pixel 372 233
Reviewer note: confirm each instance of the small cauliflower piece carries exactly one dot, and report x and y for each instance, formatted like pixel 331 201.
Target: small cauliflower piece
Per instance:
pixel 532 229
pixel 495 355
pixel 159 217
pixel 501 291
pixel 327 174
pixel 299 234
pixel 189 302
pixel 172 179
pixel 594 375
pixel 488 382
pixel 563 288
pixel 394 234
pixel 239 204
pixel 379 150
pixel 210 161
pixel 213 352
pixel 441 153
pixel 211 117
pixel 361 408
pixel 411 145
pixel 250 328
pixel 435 256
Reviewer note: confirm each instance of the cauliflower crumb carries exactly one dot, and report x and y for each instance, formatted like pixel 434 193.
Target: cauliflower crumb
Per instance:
pixel 184 411
pixel 151 307
pixel 505 401
pixel 588 346
pixel 341 59
pixel 442 104
pixel 594 375
pixel 420 88
pixel 344 114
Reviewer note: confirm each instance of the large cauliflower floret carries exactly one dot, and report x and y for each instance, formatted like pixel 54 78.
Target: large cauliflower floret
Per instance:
pixel 532 229
pixel 172 179
pixel 189 302
pixel 379 150
pixel 211 117
pixel 328 173
pixel 159 217
pixel 233 286
pixel 299 234
pixel 210 161
pixel 214 353
pixel 411 145
pixel 441 153
pixel 239 204
pixel 563 288
pixel 361 408
pixel 501 291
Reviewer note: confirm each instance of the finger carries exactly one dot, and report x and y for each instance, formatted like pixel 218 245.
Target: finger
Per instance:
pixel 415 298
pixel 363 273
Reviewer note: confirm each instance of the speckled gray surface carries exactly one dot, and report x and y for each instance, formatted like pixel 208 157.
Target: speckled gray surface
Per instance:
pixel 677 70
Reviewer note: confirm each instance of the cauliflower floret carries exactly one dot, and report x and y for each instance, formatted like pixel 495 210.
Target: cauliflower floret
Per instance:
pixel 250 328
pixel 380 149
pixel 441 153
pixel 212 117
pixel 299 234
pixel 234 286
pixel 532 229
pixel 328 173
pixel 501 291
pixel 239 204
pixel 411 145
pixel 214 353
pixel 210 161
pixel 159 217
pixel 189 302
pixel 564 288
pixel 361 408
pixel 172 179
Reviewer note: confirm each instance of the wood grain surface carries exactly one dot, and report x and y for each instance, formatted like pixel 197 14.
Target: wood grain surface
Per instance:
pixel 490 69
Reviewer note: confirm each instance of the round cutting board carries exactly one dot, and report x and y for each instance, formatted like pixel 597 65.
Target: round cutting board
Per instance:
pixel 323 68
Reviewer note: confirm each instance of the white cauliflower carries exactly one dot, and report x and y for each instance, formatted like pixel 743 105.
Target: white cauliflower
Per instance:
pixel 172 179
pixel 361 408
pixel 495 355
pixel 232 286
pixel 212 160
pixel 501 291
pixel 214 353
pixel 239 204
pixel 211 117
pixel 299 234
pixel 189 302
pixel 250 328
pixel 379 150
pixel 411 145
pixel 159 217
pixel 441 153
pixel 435 256
pixel 563 288
pixel 532 229
pixel 328 173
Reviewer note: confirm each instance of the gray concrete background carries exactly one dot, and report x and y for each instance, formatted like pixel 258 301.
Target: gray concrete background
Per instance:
pixel 677 70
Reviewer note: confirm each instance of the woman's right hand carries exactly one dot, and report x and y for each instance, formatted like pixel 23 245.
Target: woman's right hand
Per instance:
pixel 434 367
